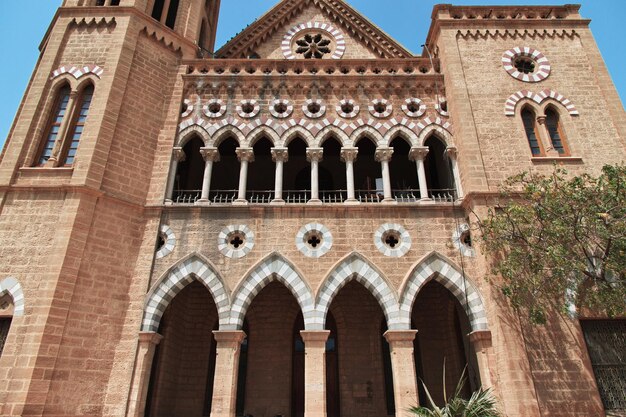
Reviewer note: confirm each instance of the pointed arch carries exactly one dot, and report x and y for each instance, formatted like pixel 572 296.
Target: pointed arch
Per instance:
pixel 189 132
pixel 191 268
pixel 12 287
pixel 78 72
pixel 444 271
pixel 551 94
pixel 332 131
pixel 273 268
pixel 437 130
pixel 403 132
pixel 512 102
pixel 297 131
pixel 367 132
pixel 225 132
pixel 263 131
pixel 356 267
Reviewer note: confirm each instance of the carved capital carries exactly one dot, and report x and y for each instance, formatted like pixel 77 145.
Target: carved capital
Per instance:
pixel 150 338
pixel 349 154
pixel 541 120
pixel 210 154
pixel 384 154
pixel 280 154
pixel 178 154
pixel 245 154
pixel 418 153
pixel 451 151
pixel 315 154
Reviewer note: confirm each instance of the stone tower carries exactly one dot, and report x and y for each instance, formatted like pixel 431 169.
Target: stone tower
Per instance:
pixel 281 227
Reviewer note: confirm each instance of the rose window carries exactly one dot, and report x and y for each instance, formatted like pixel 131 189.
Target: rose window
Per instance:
pixel 313 46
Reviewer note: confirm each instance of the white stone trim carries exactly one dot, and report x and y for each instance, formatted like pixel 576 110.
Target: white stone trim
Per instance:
pixel 178 277
pixel 514 99
pixel 336 34
pixel 255 112
pixel 217 115
pixel 224 245
pixel 352 114
pixel 78 72
pixel 542 70
pixel 439 109
pixel 437 267
pixel 284 115
pixel 12 287
pixel 170 241
pixel 308 113
pixel 188 109
pixel 465 250
pixel 306 249
pixel 386 113
pixel 416 101
pixel 404 243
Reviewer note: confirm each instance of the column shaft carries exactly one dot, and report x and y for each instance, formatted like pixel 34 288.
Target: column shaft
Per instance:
pixel 206 180
pixel 224 402
pixel 315 192
pixel 315 372
pixel 348 155
pixel 245 155
pixel 278 182
pixel 386 181
pixel 421 176
pixel 403 368
pixel 177 156
pixel 481 342
pixel 148 342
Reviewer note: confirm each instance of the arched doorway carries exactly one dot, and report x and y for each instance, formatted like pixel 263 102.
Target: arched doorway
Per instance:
pixel 271 321
pixel 184 364
pixel 362 387
pixel 442 327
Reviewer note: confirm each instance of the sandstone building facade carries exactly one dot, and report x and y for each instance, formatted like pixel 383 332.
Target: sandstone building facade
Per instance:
pixel 280 227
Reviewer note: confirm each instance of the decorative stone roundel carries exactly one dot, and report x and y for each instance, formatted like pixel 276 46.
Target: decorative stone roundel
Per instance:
pixel 235 241
pixel 380 108
pixel 314 109
pixel 188 108
pixel 289 45
pixel 347 109
pixel 526 64
pixel 414 107
pixel 442 107
pixel 214 108
pixel 462 240
pixel 167 241
pixel 392 240
pixel 314 240
pixel 281 109
pixel 248 109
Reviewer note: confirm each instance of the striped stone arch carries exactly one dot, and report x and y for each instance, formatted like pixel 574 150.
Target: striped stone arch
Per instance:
pixel 187 133
pixel 512 102
pixel 367 132
pixel 78 72
pixel 355 267
pixel 273 268
pixel 193 268
pixel 436 266
pixel 332 131
pixel 12 287
pixel 438 131
pixel 262 131
pixel 402 132
pixel 297 131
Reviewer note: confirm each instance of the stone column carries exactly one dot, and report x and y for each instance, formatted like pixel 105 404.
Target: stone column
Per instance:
pixel 245 155
pixel 418 154
pixel 137 398
pixel 383 155
pixel 348 155
pixel 53 161
pixel 210 155
pixel 452 154
pixel 280 156
pixel 481 342
pixel 178 155
pixel 315 372
pixel 403 368
pixel 314 156
pixel 166 8
pixel 226 371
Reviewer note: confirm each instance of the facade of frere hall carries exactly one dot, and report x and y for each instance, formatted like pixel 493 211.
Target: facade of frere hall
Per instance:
pixel 281 227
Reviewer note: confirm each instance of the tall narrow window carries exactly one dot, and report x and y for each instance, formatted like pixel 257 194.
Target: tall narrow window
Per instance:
pixel 171 14
pixel 5 324
pixel 60 109
pixel 157 9
pixel 77 128
pixel 554 130
pixel 528 117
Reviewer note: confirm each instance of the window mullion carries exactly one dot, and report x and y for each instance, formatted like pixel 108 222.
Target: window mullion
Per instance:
pixel 63 129
pixel 164 13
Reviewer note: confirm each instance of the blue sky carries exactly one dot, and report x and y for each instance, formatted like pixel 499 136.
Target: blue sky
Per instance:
pixel 23 24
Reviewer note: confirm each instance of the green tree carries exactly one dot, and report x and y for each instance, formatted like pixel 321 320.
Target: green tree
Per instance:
pixel 559 241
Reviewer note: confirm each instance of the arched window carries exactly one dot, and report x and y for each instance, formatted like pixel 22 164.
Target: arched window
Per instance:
pixel 170 21
pixel 54 127
pixel 261 173
pixel 226 179
pixel 530 126
pixel 76 130
pixel 368 177
pixel 404 180
pixel 332 176
pixel 167 17
pixel 439 175
pixel 553 125
pixel 6 316
pixel 297 174
pixel 190 173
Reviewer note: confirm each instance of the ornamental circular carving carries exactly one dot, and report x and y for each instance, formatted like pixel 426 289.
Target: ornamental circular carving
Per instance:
pixel 248 109
pixel 314 109
pixel 347 109
pixel 414 107
pixel 392 240
pixel 214 108
pixel 314 240
pixel 313 40
pixel 462 240
pixel 442 107
pixel 187 108
pixel 166 241
pixel 526 64
pixel 235 241
pixel 380 108
pixel 281 109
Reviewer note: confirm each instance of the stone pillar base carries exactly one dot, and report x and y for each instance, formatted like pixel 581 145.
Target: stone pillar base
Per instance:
pixel 315 372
